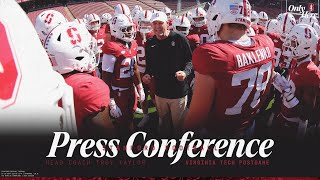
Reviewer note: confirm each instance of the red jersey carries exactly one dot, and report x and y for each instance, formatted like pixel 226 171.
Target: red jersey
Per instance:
pixel 202 32
pixel 306 74
pixel 194 40
pixel 258 29
pixel 123 65
pixel 141 54
pixel 280 60
pixel 107 28
pixel 243 81
pixel 100 37
pixel 91 95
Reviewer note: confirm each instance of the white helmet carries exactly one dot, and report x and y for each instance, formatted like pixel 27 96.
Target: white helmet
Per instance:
pixel 122 9
pixel 313 19
pixel 305 19
pixel 70 48
pixel 122 27
pixel 83 22
pixel 254 17
pixel 105 18
pixel 46 21
pixel 271 26
pixel 135 12
pixel 198 17
pixel 144 21
pixel 167 11
pixel 263 18
pixel 30 89
pixel 250 32
pixel 219 13
pixel 188 15
pixel 93 22
pixel 301 41
pixel 316 27
pixel 181 24
pixel 286 21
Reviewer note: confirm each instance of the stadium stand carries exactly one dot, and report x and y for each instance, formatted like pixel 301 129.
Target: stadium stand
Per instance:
pixel 79 10
pixel 130 4
pixel 33 15
pixel 158 5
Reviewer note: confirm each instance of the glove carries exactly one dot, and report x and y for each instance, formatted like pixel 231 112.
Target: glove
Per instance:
pixel 115 111
pixel 280 82
pixel 141 94
pixel 289 99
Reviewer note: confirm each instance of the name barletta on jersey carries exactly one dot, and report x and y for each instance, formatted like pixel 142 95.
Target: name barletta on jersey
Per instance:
pixel 253 57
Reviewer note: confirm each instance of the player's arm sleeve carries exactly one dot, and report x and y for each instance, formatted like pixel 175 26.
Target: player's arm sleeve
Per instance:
pixel 108 62
pixel 188 56
pixel 210 61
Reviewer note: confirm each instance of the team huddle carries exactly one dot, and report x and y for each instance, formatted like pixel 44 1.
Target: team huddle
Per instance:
pixel 245 66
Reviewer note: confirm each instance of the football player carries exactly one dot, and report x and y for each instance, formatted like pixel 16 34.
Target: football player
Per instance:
pixel 263 18
pixel 298 101
pixel 144 32
pixel 93 25
pixel 30 88
pixel 255 18
pixel 182 24
pixel 71 52
pixel 135 12
pixel 233 74
pixel 168 12
pixel 120 72
pixel 199 24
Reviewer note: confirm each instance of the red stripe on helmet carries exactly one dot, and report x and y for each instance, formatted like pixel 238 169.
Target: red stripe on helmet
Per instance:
pixel 245 8
pixel 182 19
pixel 145 14
pixel 197 11
pixel 285 22
pixel 122 8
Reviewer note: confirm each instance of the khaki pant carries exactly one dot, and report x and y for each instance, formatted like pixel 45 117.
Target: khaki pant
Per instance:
pixel 171 115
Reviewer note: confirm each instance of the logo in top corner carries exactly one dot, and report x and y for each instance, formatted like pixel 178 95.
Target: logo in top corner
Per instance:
pixel 304 10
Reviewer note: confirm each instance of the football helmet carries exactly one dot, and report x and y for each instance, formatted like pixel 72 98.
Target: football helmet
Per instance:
pixel 181 24
pixel 46 21
pixel 254 17
pixel 83 22
pixel 93 22
pixel 122 9
pixel 70 47
pixel 105 18
pixel 286 21
pixel 30 89
pixel 227 11
pixel 198 17
pixel 188 15
pixel 301 41
pixel 263 18
pixel 271 26
pixel 250 32
pixel 316 27
pixel 313 19
pixel 135 12
pixel 144 21
pixel 167 11
pixel 122 27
